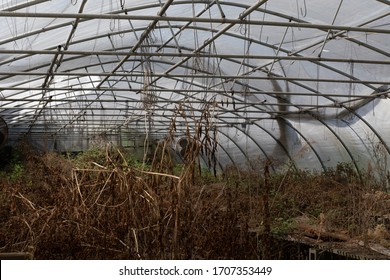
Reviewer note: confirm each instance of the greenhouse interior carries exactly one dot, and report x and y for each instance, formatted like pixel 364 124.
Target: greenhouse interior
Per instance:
pixel 210 129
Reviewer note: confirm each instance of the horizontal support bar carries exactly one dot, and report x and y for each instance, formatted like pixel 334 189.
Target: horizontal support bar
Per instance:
pixel 193 20
pixel 131 125
pixel 131 101
pixel 65 90
pixel 152 110
pixel 227 78
pixel 196 55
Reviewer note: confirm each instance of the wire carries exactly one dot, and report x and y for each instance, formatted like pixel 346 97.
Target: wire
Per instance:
pixel 304 10
pixel 112 21
pixel 122 3
pixel 300 11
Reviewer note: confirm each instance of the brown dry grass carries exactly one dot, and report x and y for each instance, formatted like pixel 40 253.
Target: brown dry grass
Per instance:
pixel 111 210
pixel 102 207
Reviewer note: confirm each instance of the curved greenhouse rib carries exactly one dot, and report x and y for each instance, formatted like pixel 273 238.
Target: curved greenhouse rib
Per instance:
pixel 332 132
pixel 98 78
pixel 218 34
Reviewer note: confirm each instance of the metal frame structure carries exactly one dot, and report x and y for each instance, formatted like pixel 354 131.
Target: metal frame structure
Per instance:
pixel 106 67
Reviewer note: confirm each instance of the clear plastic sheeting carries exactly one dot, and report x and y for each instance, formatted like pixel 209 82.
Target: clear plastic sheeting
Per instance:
pixel 297 83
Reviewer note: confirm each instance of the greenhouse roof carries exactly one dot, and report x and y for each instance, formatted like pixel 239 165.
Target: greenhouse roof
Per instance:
pixel 298 81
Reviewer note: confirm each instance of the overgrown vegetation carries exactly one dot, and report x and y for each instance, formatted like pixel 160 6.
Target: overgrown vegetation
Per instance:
pixel 107 204
pixel 104 204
